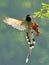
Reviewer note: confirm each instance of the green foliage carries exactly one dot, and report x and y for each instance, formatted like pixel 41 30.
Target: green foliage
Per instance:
pixel 43 12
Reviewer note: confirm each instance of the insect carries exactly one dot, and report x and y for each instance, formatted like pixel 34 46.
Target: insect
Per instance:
pixel 22 25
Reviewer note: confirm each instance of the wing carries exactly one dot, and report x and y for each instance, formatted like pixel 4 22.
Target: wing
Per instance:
pixel 18 24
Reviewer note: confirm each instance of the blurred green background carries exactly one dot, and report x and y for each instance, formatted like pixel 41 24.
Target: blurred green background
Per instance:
pixel 13 44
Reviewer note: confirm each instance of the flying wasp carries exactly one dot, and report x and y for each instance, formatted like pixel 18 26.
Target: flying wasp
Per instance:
pixel 27 25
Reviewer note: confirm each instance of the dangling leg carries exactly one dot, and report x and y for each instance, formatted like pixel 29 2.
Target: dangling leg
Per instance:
pixel 31 42
pixel 29 52
pixel 27 37
pixel 33 38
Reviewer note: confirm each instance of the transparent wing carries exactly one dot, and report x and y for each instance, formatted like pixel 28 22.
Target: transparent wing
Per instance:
pixel 18 24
